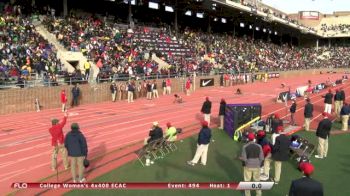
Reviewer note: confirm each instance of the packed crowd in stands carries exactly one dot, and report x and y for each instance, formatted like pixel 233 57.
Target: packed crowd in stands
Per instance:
pixel 23 50
pixel 339 28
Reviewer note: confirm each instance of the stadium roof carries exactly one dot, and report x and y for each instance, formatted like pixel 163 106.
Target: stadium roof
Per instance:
pixel 323 6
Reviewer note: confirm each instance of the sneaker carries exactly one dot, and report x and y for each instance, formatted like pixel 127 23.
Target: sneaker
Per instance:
pixel 190 163
pixel 203 164
pixel 74 181
pixel 152 162
pixel 318 157
pixel 264 177
pixel 276 182
pixel 82 180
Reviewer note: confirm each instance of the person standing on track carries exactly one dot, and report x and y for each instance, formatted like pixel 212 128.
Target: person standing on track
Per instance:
pixel 337 104
pixel 155 89
pixel 292 110
pixel 222 113
pixel 57 141
pixel 188 86
pixel 323 133
pixel 328 102
pixel 308 114
pixel 206 110
pixel 64 100
pixel 168 86
pixel 113 89
pixel 77 148
pixel 75 95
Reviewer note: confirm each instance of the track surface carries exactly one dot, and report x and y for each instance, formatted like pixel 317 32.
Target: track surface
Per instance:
pixel 25 150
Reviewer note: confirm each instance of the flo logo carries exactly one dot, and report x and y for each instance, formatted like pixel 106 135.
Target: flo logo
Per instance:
pixel 21 185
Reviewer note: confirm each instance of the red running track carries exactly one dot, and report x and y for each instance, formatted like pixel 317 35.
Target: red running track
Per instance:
pixel 25 149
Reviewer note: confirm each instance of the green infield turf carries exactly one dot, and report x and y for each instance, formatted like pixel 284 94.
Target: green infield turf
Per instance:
pixel 222 166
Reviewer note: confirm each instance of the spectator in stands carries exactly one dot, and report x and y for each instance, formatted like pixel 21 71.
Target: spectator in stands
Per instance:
pixel 308 114
pixel 131 90
pixel 344 113
pixel 203 141
pixel 337 104
pixel 252 157
pixel 57 141
pixel 206 110
pixel 222 113
pixel 113 89
pixel 328 102
pixel 64 100
pixel 77 148
pixel 154 134
pixel 75 95
pixel 155 89
pixel 292 110
pixel 170 133
pixel 280 153
pixel 323 133
pixel 306 185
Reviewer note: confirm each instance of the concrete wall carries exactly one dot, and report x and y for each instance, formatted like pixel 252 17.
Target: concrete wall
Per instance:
pixel 22 100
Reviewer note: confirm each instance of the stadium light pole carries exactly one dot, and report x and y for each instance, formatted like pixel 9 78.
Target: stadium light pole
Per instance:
pixel 130 13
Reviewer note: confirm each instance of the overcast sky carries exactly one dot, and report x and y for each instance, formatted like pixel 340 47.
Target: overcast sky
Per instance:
pixel 323 6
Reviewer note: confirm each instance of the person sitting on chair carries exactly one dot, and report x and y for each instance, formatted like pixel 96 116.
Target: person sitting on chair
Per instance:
pixel 155 133
pixel 178 98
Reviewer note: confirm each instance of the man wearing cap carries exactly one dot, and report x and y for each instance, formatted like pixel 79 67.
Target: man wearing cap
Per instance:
pixel 155 133
pixel 206 110
pixel 323 132
pixel 222 113
pixel 344 113
pixel 57 141
pixel 328 101
pixel 170 133
pixel 280 153
pixel 308 114
pixel 306 185
pixel 292 110
pixel 203 141
pixel 76 145
pixel 252 157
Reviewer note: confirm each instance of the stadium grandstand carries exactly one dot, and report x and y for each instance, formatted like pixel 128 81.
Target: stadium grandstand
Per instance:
pixel 75 58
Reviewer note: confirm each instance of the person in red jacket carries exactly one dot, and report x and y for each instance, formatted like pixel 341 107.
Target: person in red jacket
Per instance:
pixel 57 142
pixel 188 86
pixel 64 100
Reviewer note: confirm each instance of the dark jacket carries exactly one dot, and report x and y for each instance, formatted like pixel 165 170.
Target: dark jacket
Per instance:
pixel 206 108
pixel 204 136
pixel 222 108
pixel 293 108
pixel 280 151
pixel 324 128
pixel 305 187
pixel 113 88
pixel 275 122
pixel 149 87
pixel 308 110
pixel 75 91
pixel 342 95
pixel 154 86
pixel 75 144
pixel 131 88
pixel 155 134
pixel 345 110
pixel 338 96
pixel 328 98
pixel 163 84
